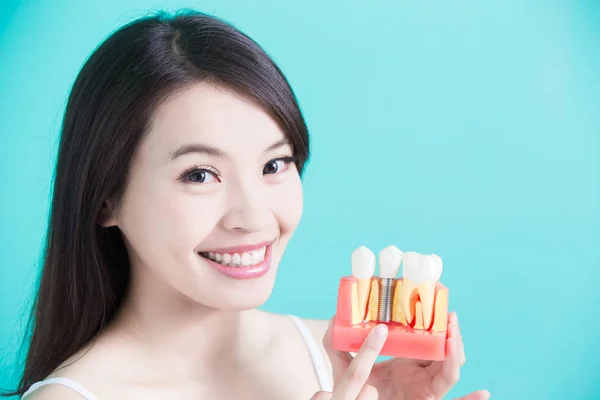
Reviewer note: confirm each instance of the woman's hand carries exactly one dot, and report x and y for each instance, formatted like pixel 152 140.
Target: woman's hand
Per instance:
pixel 403 379
pixel 352 382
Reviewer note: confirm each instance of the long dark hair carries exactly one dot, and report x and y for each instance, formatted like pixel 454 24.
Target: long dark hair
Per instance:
pixel 86 268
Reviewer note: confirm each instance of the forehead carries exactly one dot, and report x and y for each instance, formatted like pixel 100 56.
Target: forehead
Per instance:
pixel 211 115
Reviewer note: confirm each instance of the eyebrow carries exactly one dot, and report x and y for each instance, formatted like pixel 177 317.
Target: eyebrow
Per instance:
pixel 215 152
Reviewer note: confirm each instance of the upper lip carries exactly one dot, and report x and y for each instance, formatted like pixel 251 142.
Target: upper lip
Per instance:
pixel 239 249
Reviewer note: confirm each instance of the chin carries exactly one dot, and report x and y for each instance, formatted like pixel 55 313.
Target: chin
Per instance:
pixel 256 300
pixel 251 293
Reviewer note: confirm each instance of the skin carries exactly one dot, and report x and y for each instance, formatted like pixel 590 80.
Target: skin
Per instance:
pixel 188 331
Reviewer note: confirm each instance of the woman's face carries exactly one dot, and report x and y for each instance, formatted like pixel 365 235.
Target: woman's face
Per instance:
pixel 212 199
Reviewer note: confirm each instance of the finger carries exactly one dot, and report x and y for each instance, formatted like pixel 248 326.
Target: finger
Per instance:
pixel 359 369
pixel 450 371
pixel 453 325
pixel 340 360
pixel 478 395
pixel 461 344
pixel 461 351
pixel 454 328
pixel 368 392
pixel 321 396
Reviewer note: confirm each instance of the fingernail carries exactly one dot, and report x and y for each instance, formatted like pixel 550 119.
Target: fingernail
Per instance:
pixel 380 330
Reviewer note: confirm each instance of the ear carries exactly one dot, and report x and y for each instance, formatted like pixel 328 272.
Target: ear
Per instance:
pixel 107 217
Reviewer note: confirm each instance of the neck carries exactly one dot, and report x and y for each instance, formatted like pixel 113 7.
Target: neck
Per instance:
pixel 175 335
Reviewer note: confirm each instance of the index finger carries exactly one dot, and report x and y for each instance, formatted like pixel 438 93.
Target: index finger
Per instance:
pixel 360 368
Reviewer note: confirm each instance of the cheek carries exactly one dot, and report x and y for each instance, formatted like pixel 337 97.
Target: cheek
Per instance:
pixel 169 223
pixel 193 216
pixel 288 204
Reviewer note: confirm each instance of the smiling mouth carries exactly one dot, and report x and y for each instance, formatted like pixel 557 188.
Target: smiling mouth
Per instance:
pixel 238 259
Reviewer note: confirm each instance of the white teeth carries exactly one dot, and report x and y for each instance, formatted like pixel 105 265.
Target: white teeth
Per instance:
pixel 363 263
pixel 389 262
pixel 421 273
pixel 421 268
pixel 246 257
pixel 238 259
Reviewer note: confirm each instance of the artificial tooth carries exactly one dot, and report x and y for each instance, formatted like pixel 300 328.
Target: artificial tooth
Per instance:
pixel 373 304
pixel 419 316
pixel 363 268
pixel 421 273
pixel 389 264
pixel 397 309
pixel 440 320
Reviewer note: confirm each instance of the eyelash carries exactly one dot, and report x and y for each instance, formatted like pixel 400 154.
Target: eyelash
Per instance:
pixel 208 168
pixel 198 168
pixel 286 159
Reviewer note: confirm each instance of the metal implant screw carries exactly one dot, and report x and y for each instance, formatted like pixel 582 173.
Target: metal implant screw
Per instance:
pixel 384 309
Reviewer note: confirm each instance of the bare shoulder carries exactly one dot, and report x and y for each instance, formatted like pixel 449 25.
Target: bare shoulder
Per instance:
pixel 84 371
pixel 54 392
pixel 318 328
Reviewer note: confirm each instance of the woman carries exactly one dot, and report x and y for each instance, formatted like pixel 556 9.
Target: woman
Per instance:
pixel 176 192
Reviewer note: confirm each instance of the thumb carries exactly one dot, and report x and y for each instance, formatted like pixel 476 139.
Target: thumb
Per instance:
pixel 478 395
pixel 340 360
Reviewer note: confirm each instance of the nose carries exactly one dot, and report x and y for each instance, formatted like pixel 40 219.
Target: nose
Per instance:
pixel 248 209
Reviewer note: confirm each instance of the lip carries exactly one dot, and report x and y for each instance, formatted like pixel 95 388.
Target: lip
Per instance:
pixel 253 271
pixel 239 249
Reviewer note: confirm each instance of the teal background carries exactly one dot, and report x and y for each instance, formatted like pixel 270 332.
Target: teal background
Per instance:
pixel 467 129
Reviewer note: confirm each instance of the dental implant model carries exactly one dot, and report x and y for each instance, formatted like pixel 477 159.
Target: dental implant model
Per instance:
pixel 414 306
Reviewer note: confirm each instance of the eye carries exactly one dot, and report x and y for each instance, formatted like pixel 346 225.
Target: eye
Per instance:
pixel 199 175
pixel 277 165
pixel 202 176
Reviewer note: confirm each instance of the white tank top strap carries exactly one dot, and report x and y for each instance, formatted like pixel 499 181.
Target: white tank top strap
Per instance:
pixel 315 354
pixel 69 383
